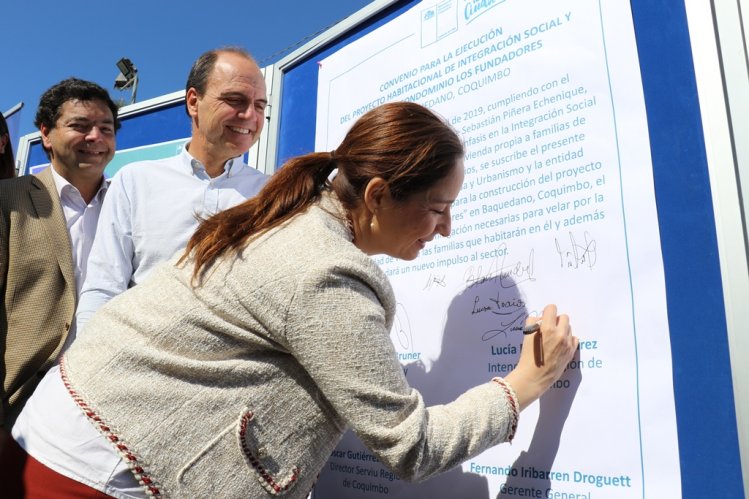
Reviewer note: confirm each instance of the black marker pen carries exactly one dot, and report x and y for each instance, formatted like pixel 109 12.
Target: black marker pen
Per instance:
pixel 532 328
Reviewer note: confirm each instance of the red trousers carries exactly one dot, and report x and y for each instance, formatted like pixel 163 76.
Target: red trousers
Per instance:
pixel 22 476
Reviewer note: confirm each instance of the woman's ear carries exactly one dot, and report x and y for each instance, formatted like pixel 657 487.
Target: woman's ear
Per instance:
pixel 376 193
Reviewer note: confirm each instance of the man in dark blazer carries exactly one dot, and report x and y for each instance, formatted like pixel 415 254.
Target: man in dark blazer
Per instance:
pixel 47 222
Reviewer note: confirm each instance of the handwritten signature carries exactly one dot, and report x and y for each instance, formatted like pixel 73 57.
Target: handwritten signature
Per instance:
pixel 511 314
pixel 402 328
pixel 435 281
pixel 578 254
pixel 499 306
pixel 507 276
pixel 504 326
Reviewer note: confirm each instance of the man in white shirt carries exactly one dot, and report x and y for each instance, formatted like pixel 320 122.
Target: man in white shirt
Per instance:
pixel 47 225
pixel 153 207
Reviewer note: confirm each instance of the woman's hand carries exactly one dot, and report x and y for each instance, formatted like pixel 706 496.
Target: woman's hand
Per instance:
pixel 544 356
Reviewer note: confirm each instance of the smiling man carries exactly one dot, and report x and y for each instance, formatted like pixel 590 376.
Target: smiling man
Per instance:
pixel 47 226
pixel 153 207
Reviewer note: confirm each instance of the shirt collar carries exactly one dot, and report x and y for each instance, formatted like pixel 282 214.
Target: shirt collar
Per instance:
pixel 67 192
pixel 231 167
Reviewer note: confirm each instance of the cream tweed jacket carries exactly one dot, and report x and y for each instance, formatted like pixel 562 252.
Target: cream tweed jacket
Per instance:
pixel 242 386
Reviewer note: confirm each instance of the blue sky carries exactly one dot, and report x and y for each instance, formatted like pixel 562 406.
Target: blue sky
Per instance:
pixel 45 41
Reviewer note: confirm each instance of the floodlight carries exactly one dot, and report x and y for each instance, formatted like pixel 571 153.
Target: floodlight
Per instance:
pixel 127 78
pixel 127 68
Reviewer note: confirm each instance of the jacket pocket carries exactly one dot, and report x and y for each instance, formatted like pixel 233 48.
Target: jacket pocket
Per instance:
pixel 273 476
pixel 239 453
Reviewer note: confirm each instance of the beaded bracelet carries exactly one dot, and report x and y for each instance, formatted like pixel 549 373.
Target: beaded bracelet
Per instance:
pixel 513 399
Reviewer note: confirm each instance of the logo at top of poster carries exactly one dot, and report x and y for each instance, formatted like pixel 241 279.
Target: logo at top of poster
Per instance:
pixel 474 8
pixel 438 21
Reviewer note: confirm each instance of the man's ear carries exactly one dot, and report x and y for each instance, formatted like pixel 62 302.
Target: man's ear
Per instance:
pixel 44 130
pixel 376 193
pixel 191 100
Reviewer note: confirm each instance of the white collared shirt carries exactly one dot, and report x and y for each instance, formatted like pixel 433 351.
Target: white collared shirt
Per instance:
pixel 151 211
pixel 81 219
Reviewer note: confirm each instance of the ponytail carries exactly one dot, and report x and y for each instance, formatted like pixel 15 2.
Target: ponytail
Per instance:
pixel 404 143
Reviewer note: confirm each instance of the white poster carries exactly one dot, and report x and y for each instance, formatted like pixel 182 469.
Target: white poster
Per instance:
pixel 557 207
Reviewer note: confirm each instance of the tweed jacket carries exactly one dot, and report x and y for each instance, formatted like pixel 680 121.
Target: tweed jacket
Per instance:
pixel 242 386
pixel 37 285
